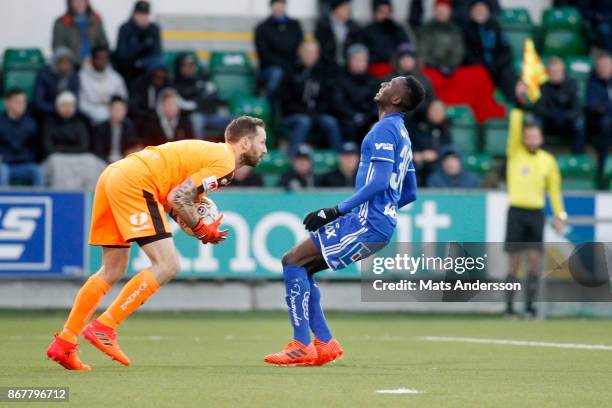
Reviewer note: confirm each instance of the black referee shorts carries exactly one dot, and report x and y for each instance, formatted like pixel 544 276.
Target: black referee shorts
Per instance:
pixel 524 229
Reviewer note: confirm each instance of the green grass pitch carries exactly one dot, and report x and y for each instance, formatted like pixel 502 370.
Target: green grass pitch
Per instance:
pixel 215 360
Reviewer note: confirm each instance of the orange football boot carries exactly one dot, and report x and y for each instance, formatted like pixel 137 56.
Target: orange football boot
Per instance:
pixel 295 353
pixel 65 354
pixel 327 352
pixel 104 339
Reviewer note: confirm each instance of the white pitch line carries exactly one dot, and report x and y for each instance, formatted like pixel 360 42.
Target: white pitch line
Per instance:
pixel 517 343
pixel 399 391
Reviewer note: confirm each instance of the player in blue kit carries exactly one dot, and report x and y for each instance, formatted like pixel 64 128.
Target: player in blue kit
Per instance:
pixel 354 229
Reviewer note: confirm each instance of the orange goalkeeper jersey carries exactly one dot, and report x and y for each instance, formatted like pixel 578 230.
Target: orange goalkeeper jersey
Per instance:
pixel 210 165
pixel 132 193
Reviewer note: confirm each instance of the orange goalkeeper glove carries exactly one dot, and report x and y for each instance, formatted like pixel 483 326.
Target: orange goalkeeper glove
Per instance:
pixel 210 234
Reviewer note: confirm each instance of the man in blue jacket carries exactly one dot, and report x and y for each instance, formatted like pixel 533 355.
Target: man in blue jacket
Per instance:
pixel 57 77
pixel 138 43
pixel 18 140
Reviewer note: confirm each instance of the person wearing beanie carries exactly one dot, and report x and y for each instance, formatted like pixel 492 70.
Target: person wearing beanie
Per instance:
pixel 277 39
pixel 382 37
pixel 52 79
pixel 353 95
pixel 138 43
pixel 440 40
pixel 405 63
pixel 79 29
pixel 336 32
pixel 486 45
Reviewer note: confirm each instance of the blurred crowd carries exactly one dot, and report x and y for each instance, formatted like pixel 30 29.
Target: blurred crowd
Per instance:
pixel 92 105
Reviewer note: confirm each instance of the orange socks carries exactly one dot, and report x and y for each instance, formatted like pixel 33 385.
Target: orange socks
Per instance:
pixel 135 292
pixel 84 305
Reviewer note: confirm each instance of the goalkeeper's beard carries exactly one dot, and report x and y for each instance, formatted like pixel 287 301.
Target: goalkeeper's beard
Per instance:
pixel 251 159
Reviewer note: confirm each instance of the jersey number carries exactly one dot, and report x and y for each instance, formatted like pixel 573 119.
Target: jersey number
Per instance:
pixel 397 180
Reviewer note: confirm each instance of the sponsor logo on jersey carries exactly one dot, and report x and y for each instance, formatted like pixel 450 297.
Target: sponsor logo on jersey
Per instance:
pixel 330 231
pixel 390 211
pixel 140 221
pixel 383 146
pixel 210 184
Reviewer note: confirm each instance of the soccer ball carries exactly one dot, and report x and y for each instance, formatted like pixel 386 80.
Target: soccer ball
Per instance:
pixel 206 209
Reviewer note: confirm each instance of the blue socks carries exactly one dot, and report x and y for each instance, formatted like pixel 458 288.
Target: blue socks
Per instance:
pixel 317 318
pixel 297 288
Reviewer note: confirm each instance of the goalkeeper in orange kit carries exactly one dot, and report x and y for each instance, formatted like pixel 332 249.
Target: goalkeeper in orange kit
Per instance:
pixel 128 206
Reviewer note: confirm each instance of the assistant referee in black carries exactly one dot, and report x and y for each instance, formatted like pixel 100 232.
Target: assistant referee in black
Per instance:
pixel 530 173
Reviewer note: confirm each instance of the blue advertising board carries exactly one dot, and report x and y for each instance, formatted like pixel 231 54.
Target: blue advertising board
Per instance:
pixel 42 234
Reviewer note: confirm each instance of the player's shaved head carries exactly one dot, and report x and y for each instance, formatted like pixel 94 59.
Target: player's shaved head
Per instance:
pixel 243 126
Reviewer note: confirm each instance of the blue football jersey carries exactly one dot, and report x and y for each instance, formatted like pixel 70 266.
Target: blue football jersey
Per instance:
pixel 388 140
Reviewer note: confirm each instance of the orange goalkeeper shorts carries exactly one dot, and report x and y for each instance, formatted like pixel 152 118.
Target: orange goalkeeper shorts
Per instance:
pixel 126 208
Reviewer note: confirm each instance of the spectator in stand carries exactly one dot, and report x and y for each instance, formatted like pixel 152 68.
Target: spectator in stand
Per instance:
pixel 599 107
pixel 80 29
pixel 69 163
pixel 451 173
pixel 277 39
pixel 440 40
pixel 116 137
pixel 300 176
pixel 305 96
pixel 52 80
pixel 429 138
pixel 336 32
pixel 168 124
pixel 138 43
pixel 559 107
pixel 354 93
pixel 405 63
pixel 382 37
pixel 246 177
pixel 417 13
pixel 485 44
pixel 344 175
pixel 599 14
pixel 19 141
pixel 145 90
pixel 199 97
pixel 98 83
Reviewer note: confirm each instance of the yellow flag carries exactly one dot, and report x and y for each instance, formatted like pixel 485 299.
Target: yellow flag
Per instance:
pixel 533 71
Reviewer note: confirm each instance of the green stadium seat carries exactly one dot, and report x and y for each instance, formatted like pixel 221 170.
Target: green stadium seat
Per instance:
pixel 274 162
pixel 517 41
pixel 233 74
pixel 230 61
pixel 463 128
pixel 478 163
pixel 568 18
pixel 608 172
pixel 252 106
pixel 496 137
pixel 578 171
pixel 324 161
pixel 24 79
pixel 22 58
pixel 564 43
pixel 516 19
pixel 579 68
pixel 563 32
pixel 2 107
pixel 460 114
